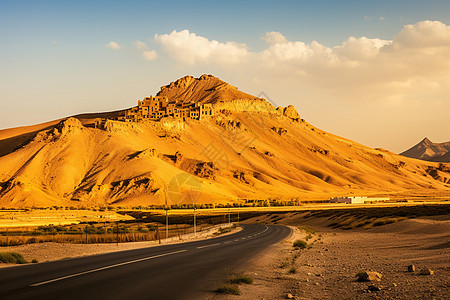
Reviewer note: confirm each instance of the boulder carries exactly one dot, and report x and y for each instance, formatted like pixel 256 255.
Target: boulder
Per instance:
pixel 369 276
pixel 291 112
pixel 373 288
pixel 426 271
pixel 411 268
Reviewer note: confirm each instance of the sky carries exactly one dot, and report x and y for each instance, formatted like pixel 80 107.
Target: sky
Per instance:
pixel 376 72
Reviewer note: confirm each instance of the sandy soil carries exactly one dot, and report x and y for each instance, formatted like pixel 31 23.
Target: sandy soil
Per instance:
pixel 54 251
pixel 327 270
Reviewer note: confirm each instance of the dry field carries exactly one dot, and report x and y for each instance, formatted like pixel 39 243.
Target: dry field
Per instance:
pixel 43 217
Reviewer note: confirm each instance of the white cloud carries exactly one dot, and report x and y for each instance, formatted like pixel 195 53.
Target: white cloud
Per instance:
pixel 360 48
pixel 189 48
pixel 150 55
pixel 141 46
pixel 416 60
pixel 274 37
pixel 113 45
pixel 425 34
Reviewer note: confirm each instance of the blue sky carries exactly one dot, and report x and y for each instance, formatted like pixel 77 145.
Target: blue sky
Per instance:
pixel 54 61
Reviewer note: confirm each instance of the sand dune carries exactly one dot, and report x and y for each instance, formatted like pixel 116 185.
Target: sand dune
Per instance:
pixel 237 154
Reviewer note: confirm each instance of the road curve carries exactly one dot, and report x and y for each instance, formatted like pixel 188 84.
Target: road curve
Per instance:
pixel 180 271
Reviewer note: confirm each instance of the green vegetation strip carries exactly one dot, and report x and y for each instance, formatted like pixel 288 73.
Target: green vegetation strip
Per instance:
pixel 12 258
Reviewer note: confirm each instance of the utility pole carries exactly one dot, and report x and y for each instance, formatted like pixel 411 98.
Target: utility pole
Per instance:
pixel 157 232
pixel 195 222
pixel 229 218
pixel 117 233
pixel 167 223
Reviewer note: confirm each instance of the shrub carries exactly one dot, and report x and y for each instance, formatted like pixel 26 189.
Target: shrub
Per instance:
pixel 12 258
pixel 241 278
pixel 34 261
pixel 300 244
pixel 307 229
pixel 292 270
pixel 229 289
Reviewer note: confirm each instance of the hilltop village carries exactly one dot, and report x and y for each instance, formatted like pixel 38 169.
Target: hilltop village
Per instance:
pixel 155 108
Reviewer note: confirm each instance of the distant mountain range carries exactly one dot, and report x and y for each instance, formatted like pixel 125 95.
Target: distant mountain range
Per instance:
pixel 429 151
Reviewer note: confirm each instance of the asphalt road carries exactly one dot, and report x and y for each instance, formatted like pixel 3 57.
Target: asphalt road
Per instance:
pixel 181 271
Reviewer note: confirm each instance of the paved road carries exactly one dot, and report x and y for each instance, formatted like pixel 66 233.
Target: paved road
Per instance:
pixel 181 271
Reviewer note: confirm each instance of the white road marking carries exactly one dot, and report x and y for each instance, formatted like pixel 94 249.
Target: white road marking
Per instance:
pixel 104 268
pixel 227 242
pixel 208 246
pixel 236 240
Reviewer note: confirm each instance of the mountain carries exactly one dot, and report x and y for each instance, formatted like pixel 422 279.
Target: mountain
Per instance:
pixel 205 89
pixel 429 151
pixel 248 150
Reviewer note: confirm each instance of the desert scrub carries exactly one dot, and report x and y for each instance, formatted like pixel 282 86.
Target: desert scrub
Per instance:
pixel 241 278
pixel 12 258
pixel 300 244
pixel 223 230
pixel 229 289
pixel 292 270
pixel 307 229
pixel 309 236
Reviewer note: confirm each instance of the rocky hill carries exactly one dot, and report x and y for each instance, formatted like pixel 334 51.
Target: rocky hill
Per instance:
pixel 429 151
pixel 249 150
pixel 205 89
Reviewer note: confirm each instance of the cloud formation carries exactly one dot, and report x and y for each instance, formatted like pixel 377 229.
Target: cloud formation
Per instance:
pixel 363 68
pixel 274 37
pixel 113 45
pixel 190 49
pixel 141 46
pixel 150 55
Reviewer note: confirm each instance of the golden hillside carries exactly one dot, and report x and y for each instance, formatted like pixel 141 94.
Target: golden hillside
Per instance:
pixel 205 89
pixel 247 150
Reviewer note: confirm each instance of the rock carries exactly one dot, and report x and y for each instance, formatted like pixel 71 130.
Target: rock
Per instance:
pixel 394 284
pixel 290 112
pixel 411 268
pixel 373 288
pixel 369 276
pixel 289 296
pixel 426 271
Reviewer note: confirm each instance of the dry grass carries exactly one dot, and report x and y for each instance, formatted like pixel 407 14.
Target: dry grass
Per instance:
pixel 241 278
pixel 94 233
pixel 229 289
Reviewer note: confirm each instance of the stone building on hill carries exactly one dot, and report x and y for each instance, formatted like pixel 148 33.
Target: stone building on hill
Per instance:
pixel 155 108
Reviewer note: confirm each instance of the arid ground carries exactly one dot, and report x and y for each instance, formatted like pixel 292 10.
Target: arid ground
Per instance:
pixel 327 269
pixel 340 243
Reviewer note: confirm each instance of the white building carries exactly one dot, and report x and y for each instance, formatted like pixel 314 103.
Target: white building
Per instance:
pixel 355 200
